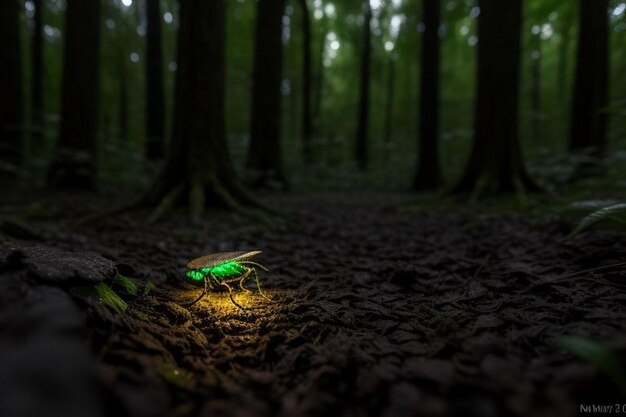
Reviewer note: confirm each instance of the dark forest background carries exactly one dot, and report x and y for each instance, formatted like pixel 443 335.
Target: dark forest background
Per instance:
pixel 308 96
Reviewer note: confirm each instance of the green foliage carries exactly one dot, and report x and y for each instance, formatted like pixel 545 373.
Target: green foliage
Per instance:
pixel 147 288
pixel 596 353
pixel 615 213
pixel 129 285
pixel 110 298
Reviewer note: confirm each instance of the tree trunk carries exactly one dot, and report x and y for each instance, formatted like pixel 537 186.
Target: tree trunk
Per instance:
pixel 361 150
pixel 307 125
pixel 265 151
pixel 428 175
pixel 38 112
pixel 496 163
pixel 155 105
pixel 74 163
pixel 11 100
pixel 123 103
pixel 198 169
pixel 535 99
pixel 588 119
pixel 391 90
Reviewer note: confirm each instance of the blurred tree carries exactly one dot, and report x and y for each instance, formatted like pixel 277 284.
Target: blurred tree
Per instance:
pixel 198 169
pixel 123 107
pixel 428 170
pixel 11 100
pixel 588 118
pixel 307 123
pixel 265 151
pixel 37 113
pixel 496 162
pixel 74 163
pixel 362 138
pixel 155 106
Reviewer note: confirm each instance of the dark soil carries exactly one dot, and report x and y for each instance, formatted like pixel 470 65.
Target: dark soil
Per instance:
pixel 376 312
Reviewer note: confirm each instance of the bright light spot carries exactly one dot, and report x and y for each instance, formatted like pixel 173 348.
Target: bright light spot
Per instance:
pixel 536 29
pixel 51 32
pixel 330 10
pixel 389 46
pixel 285 87
pixel 331 36
pixel 472 40
pixel 168 17
pixel 421 27
pixel 464 31
pixel 396 4
pixel 546 31
pixel 29 6
pixel 110 24
pixel 141 30
pixel 289 10
pixel 553 16
pixel 395 24
pixel 451 5
pixel 134 57
pixel 535 55
pixel 127 3
pixel 327 62
pixel 619 9
pixel 318 14
pixel 376 4
pixel 475 12
pixel 172 66
pixel 334 45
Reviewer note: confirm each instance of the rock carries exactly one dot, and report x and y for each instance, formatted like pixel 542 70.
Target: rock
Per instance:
pixel 58 266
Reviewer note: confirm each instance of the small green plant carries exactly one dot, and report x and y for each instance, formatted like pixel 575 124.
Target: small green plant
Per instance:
pixel 597 354
pixel 616 213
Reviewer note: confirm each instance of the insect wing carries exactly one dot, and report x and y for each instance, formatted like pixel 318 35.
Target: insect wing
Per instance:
pixel 215 259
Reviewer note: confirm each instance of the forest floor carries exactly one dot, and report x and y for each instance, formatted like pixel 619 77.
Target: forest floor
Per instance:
pixel 376 311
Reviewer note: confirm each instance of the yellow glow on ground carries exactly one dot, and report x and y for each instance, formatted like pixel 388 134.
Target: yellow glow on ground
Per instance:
pixel 219 303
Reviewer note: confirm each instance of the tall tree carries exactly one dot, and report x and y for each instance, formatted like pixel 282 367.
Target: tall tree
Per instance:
pixel 362 138
pixel 307 123
pixel 11 100
pixel 496 162
pixel 428 175
pixel 265 151
pixel 155 107
pixel 198 169
pixel 74 163
pixel 37 74
pixel 588 119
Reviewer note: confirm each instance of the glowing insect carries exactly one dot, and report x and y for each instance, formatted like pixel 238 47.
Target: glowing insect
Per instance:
pixel 224 269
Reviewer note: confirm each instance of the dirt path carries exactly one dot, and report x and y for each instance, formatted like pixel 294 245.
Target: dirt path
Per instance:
pixel 377 313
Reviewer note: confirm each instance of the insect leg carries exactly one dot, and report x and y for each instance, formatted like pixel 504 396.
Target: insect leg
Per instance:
pixel 243 277
pixel 230 294
pixel 258 285
pixel 200 296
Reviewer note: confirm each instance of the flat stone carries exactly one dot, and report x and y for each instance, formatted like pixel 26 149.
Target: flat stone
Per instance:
pixel 58 266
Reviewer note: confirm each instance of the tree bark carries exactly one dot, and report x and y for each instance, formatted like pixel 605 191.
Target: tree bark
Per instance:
pixel 198 170
pixel 11 99
pixel 155 103
pixel 38 110
pixel 428 175
pixel 265 151
pixel 307 124
pixel 74 163
pixel 588 120
pixel 362 138
pixel 496 162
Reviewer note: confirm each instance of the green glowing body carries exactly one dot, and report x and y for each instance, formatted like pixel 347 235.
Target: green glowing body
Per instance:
pixel 221 271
